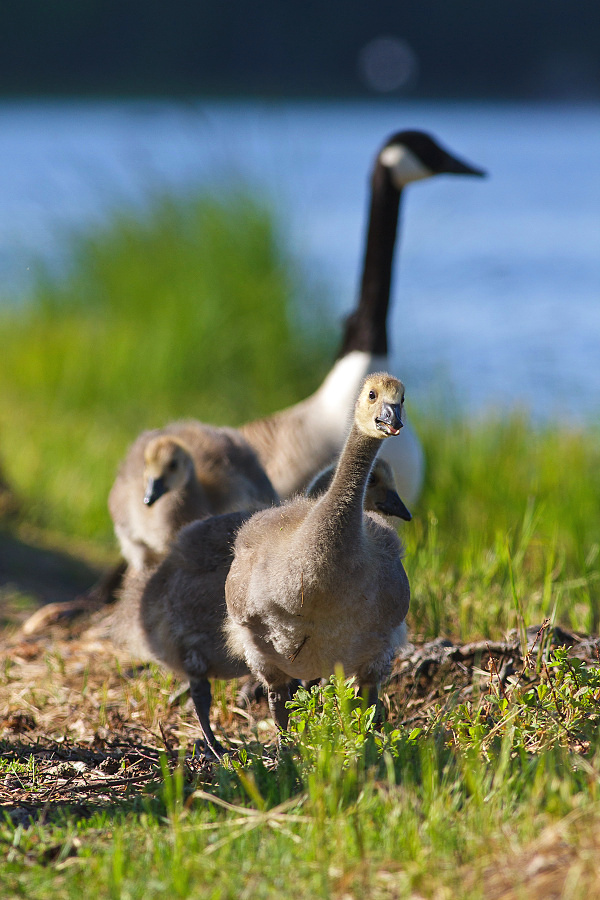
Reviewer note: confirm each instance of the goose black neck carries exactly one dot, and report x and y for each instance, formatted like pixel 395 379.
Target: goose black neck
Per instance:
pixel 366 327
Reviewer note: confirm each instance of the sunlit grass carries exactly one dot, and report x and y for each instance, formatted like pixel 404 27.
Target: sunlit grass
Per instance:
pixel 190 313
pixel 501 494
pixel 347 813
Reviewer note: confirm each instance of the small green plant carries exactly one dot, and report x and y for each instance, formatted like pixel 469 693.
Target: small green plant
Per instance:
pixel 340 740
pixel 560 706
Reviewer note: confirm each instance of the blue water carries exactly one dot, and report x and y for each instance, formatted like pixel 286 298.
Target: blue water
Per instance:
pixel 497 287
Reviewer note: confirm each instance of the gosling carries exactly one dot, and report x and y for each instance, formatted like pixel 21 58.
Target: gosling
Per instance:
pixel 173 614
pixel 381 494
pixel 174 475
pixel 317 583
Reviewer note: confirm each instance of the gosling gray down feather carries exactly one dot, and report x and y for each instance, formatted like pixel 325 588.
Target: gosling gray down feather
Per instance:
pixel 381 494
pixel 319 582
pixel 174 613
pixel 174 475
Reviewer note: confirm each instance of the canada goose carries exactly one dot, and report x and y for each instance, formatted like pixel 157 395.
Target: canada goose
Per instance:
pixel 174 613
pixel 179 473
pixel 292 444
pixel 380 496
pixel 315 583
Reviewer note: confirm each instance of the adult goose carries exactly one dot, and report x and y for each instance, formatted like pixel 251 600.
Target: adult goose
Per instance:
pixel 292 444
pixel 315 583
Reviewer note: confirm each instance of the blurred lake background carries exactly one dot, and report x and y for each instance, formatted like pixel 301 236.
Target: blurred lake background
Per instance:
pixel 496 297
pixel 497 285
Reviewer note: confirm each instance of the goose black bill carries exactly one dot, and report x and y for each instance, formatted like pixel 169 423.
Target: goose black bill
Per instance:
pixel 390 419
pixel 155 489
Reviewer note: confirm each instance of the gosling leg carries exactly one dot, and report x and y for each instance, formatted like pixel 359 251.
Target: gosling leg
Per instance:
pixel 370 692
pixel 201 695
pixel 278 696
pixel 254 691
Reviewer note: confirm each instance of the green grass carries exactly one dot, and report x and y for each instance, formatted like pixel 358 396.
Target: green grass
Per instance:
pixel 184 313
pixel 503 495
pixel 189 313
pixel 350 812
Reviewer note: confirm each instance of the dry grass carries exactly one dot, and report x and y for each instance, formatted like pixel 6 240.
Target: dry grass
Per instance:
pixel 88 725
pixel 562 863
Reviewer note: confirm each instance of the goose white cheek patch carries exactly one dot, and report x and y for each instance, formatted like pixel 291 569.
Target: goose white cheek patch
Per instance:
pixel 404 166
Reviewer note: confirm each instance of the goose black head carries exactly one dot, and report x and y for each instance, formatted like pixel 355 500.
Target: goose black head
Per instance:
pixel 413 155
pixel 167 467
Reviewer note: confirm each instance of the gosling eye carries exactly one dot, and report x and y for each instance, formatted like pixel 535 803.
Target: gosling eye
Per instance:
pixel 372 395
pixel 172 465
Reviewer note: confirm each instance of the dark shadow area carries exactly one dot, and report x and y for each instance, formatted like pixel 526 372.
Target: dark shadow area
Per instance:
pixel 31 575
pixel 112 778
